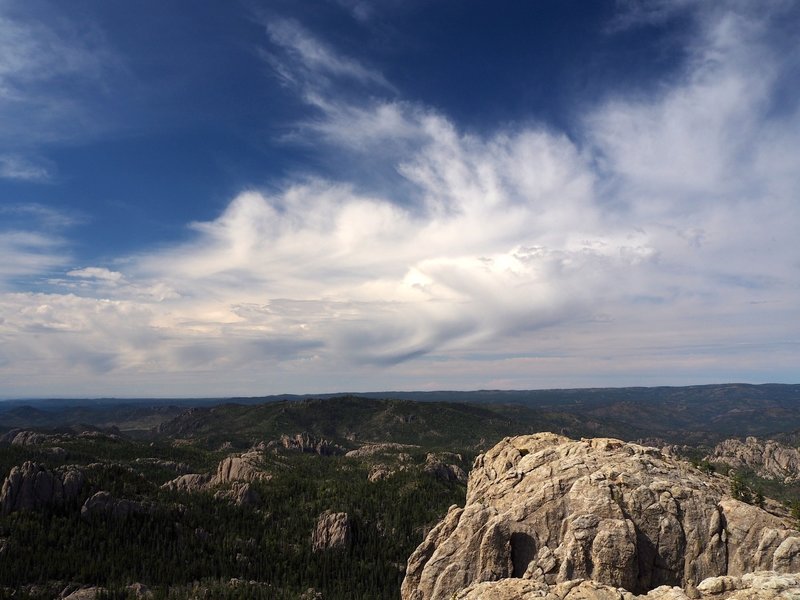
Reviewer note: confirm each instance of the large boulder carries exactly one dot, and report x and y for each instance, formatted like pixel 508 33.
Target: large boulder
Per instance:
pixel 239 467
pixel 31 486
pixel 549 510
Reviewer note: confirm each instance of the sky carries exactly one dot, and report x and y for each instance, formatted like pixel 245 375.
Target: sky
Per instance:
pixel 259 197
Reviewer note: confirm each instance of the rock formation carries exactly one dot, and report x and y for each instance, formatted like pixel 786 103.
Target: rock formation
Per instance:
pixel 240 493
pixel 86 593
pixel 192 482
pixel 32 487
pixel 768 459
pixel 23 437
pixel 549 510
pixel 444 472
pixel 178 467
pixel 103 504
pixel 384 448
pixel 764 585
pixel 305 442
pixel 239 467
pixel 380 472
pixel 333 531
pixel 234 472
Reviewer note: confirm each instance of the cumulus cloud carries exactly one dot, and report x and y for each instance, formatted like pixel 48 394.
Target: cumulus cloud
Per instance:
pixel 660 241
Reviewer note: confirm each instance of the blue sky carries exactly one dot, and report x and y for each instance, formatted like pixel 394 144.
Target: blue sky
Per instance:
pixel 246 198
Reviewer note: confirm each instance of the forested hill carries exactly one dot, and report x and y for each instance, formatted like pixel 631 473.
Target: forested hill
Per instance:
pixel 353 420
pixel 697 414
pixel 689 414
pixel 692 414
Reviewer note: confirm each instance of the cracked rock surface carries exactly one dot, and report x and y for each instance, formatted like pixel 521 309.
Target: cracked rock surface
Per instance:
pixel 544 510
pixel 768 459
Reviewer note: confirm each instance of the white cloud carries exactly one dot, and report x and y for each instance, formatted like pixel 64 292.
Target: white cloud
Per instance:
pixel 19 167
pixel 43 218
pixel 660 245
pixel 32 242
pixel 692 140
pixel 53 80
pixel 309 63
pixel 97 273
pixel 26 253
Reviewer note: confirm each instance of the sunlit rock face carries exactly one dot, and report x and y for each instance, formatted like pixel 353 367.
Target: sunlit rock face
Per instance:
pixel 332 532
pixel 548 510
pixel 763 585
pixel 769 459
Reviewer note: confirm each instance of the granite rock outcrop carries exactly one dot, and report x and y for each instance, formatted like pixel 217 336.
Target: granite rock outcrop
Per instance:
pixel 548 510
pixel 768 459
pixel 240 493
pixel 232 472
pixel 189 483
pixel 382 448
pixel 239 467
pixel 103 504
pixel 763 585
pixel 305 442
pixel 435 465
pixel 31 486
pixel 332 532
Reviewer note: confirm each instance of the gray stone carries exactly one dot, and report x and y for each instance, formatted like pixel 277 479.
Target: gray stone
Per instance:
pixel 621 515
pixel 333 531
pixel 768 459
pixel 31 486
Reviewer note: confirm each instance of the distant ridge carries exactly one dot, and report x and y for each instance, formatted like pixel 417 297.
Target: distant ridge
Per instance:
pixel 546 396
pixel 687 414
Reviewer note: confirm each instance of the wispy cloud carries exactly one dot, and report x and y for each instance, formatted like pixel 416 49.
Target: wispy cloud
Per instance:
pixel 47 68
pixel 32 242
pixel 636 13
pixel 43 218
pixel 305 61
pixel 14 166
pixel 98 274
pixel 27 253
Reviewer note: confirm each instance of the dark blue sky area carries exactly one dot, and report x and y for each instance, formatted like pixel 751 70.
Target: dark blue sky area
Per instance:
pixel 188 112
